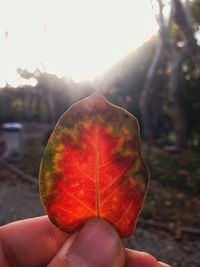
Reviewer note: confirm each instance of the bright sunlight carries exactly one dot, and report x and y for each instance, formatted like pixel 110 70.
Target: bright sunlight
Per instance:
pixel 71 38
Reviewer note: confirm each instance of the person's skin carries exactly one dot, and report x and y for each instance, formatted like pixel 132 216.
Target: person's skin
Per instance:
pixel 38 243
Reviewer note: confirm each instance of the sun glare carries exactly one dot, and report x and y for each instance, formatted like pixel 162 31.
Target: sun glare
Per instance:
pixel 72 38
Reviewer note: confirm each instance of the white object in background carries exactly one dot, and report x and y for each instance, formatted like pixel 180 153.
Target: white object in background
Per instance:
pixel 14 141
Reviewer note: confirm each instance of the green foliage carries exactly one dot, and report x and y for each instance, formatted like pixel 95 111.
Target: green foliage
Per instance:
pixel 43 103
pixel 191 102
pixel 195 10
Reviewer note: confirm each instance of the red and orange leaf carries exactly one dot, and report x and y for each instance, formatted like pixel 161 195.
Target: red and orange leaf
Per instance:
pixel 92 166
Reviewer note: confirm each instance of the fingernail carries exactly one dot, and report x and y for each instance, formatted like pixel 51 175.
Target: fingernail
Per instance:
pixel 97 244
pixel 164 264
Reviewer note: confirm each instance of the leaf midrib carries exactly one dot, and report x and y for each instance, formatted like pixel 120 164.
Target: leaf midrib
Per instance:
pixel 97 172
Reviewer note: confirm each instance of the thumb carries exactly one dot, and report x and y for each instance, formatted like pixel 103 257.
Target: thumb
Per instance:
pixel 96 245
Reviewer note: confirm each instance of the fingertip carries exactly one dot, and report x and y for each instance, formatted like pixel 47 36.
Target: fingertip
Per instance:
pixel 142 259
pixel 163 264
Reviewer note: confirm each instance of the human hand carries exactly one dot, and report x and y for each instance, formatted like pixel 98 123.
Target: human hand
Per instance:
pixel 37 243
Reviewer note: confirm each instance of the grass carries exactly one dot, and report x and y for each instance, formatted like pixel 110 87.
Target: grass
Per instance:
pixel 31 159
pixel 180 170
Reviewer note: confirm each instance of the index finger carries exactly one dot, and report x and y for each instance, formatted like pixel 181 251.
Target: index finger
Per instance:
pixel 142 259
pixel 32 242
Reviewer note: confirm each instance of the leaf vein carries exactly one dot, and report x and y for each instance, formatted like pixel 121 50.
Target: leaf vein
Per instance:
pixel 125 212
pixel 84 173
pixel 77 199
pixel 118 177
pixel 65 210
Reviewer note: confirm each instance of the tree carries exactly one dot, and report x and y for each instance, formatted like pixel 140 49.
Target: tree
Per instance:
pixel 171 52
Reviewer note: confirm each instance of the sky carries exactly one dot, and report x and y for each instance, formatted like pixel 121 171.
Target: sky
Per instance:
pixel 72 38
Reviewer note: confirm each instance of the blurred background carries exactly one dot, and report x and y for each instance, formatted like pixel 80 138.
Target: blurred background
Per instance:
pixel 144 56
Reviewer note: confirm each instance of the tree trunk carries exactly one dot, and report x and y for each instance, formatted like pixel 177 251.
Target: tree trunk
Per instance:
pixel 184 22
pixel 178 116
pixel 147 97
pixel 147 101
